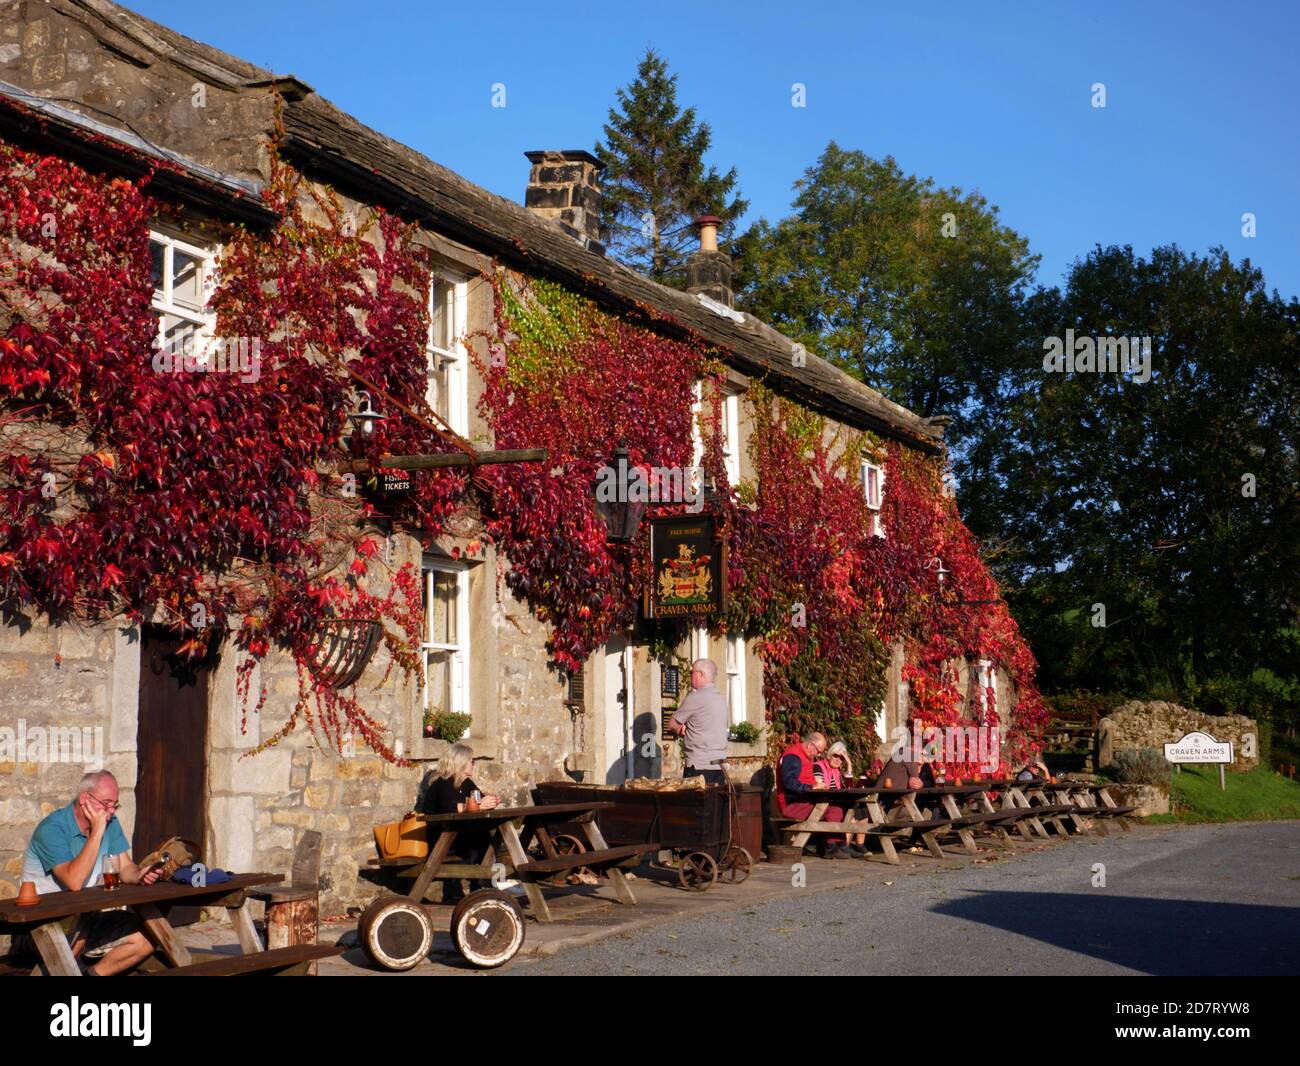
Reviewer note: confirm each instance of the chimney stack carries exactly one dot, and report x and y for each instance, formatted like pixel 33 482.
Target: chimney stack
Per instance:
pixel 708 270
pixel 564 186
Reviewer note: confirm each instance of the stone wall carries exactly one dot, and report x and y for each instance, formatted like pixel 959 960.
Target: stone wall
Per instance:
pixel 1155 724
pixel 1148 799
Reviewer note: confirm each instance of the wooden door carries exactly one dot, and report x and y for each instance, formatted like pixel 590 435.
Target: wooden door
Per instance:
pixel 171 788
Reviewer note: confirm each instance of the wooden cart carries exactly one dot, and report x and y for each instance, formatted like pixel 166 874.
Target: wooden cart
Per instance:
pixel 703 828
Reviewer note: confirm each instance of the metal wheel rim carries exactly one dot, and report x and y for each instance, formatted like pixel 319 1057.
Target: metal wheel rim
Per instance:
pixel 740 863
pixel 697 871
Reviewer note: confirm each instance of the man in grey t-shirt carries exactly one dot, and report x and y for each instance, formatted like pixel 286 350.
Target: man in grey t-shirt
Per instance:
pixel 701 720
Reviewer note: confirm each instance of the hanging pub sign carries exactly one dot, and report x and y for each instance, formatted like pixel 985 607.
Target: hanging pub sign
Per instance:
pixel 688 568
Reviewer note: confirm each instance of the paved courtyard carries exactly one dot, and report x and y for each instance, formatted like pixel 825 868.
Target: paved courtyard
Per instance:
pixel 1185 900
pixel 1218 899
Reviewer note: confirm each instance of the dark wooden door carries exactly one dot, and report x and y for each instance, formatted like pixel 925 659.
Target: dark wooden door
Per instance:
pixel 171 788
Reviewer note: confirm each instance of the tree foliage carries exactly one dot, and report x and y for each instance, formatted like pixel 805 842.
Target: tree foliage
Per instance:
pixel 655 181
pixel 1173 504
pixel 914 289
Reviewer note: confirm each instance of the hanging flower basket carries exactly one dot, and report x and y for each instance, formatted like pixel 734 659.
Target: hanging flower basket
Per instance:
pixel 343 649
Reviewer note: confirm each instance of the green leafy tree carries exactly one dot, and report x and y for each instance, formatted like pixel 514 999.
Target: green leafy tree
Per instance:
pixel 655 182
pixel 1172 504
pixel 914 289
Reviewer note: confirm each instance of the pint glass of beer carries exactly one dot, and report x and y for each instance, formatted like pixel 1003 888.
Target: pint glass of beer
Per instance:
pixel 112 872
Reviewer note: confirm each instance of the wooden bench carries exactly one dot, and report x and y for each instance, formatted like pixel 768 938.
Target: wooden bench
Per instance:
pixel 592 859
pixel 293 961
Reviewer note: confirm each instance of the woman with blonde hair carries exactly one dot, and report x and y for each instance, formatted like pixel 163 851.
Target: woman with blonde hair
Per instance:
pixel 833 771
pixel 450 790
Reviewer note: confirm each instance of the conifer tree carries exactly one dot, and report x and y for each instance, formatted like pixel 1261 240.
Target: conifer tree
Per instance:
pixel 655 182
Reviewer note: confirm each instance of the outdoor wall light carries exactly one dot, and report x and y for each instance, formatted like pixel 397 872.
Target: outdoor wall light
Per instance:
pixel 617 510
pixel 364 419
pixel 941 573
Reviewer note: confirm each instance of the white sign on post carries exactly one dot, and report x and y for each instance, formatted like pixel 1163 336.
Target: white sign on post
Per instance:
pixel 1198 747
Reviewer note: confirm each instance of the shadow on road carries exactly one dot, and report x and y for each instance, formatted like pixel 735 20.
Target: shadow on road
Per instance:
pixel 1155 936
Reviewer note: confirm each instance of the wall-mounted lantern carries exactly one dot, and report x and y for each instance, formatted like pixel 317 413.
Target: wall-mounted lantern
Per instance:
pixel 364 418
pixel 620 513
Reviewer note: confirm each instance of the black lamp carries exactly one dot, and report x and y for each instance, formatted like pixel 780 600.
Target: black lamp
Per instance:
pixel 621 515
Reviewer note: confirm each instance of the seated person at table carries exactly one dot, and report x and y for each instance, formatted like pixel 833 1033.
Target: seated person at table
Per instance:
pixel 795 776
pixel 67 853
pixel 1035 769
pixel 450 790
pixel 900 775
pixel 832 772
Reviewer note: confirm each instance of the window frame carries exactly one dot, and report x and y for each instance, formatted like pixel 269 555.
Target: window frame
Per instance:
pixel 731 435
pixel 737 694
pixel 457 652
pixel 162 300
pixel 875 504
pixel 455 357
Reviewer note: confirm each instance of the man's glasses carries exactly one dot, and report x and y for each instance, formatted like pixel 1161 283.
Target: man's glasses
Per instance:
pixel 110 807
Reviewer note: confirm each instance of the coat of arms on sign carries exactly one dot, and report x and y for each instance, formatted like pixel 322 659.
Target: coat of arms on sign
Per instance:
pixel 685 579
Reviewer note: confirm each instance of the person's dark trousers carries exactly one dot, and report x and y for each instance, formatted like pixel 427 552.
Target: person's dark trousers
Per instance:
pixel 711 777
pixel 473 848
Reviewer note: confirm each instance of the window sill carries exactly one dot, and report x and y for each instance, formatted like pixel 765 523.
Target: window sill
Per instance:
pixel 428 749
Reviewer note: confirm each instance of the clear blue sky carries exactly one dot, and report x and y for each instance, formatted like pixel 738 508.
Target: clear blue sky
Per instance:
pixel 1201 122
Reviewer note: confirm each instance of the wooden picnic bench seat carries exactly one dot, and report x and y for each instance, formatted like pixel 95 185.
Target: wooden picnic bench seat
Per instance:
pixel 1049 809
pixel 285 962
pixel 1106 812
pixel 927 825
pixel 984 817
pixel 603 857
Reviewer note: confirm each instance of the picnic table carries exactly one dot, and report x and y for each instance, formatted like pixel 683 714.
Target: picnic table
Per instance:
pixel 891 813
pixel 514 828
pixel 1095 800
pixel 894 813
pixel 44 921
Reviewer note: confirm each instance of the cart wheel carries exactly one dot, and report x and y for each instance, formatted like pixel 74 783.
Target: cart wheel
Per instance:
pixel 567 844
pixel 395 933
pixel 737 865
pixel 697 871
pixel 487 928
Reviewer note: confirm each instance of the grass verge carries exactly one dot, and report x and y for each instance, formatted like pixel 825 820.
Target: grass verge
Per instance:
pixel 1257 796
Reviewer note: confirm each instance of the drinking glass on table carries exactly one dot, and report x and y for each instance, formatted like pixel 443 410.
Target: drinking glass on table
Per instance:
pixel 112 872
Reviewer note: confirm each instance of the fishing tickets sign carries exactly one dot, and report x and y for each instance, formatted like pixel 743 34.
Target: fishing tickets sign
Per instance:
pixel 1198 747
pixel 688 569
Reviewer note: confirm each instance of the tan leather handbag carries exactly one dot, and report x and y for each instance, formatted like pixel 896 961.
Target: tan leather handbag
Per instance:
pixel 407 839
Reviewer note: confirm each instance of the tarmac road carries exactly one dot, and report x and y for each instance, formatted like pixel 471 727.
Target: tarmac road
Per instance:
pixel 1178 900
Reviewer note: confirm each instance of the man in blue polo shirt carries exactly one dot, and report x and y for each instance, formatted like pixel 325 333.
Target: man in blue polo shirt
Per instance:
pixel 67 853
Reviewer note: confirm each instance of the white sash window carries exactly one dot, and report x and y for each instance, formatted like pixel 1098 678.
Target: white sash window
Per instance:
pixel 184 275
pixel 445 647
pixel 448 393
